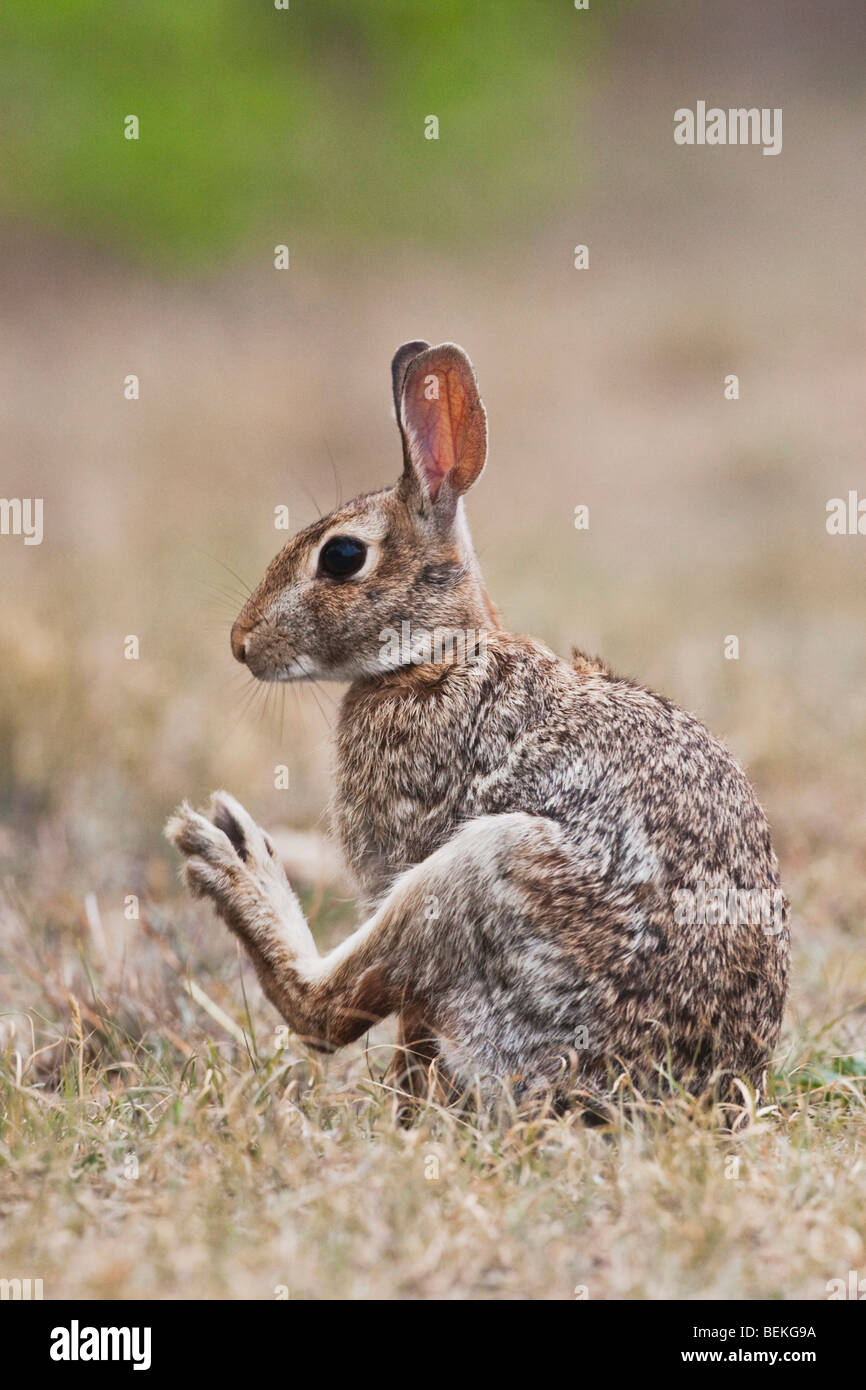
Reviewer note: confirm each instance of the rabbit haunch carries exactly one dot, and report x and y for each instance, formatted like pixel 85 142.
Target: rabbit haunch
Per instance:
pixel 520 826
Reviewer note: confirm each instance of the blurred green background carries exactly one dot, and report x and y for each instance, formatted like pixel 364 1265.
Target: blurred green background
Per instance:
pixel 308 121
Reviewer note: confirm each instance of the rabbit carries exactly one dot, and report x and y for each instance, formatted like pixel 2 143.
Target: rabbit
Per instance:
pixel 565 877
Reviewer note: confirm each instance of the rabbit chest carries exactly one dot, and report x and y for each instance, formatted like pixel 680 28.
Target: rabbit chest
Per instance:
pixel 423 750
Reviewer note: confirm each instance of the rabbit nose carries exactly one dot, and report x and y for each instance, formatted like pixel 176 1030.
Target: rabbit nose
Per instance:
pixel 239 639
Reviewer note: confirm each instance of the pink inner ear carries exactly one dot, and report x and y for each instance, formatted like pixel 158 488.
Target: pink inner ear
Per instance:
pixel 434 426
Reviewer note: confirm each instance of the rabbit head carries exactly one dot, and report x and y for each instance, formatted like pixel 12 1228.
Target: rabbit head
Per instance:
pixel 333 598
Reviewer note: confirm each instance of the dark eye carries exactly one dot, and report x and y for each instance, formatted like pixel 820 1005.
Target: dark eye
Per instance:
pixel 342 557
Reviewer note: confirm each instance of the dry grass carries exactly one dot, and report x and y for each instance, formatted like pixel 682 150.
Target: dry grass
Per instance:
pixel 256 1167
pixel 150 1157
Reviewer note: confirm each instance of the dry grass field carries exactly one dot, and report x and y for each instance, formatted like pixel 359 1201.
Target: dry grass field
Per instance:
pixel 159 1136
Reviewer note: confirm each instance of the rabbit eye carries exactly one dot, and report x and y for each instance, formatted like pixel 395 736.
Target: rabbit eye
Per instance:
pixel 342 557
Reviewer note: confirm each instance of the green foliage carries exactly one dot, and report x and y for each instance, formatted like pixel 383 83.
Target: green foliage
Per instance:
pixel 260 125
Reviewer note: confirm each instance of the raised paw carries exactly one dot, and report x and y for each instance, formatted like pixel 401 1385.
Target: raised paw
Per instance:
pixel 246 835
pixel 229 859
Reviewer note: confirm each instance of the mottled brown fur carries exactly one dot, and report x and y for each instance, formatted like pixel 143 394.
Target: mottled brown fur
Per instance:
pixel 522 827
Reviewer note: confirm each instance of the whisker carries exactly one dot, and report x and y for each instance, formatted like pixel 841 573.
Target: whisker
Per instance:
pixel 312 498
pixel 337 485
pixel 247 591
pixel 247 701
pixel 331 699
pixel 217 560
pixel 218 591
pixel 313 688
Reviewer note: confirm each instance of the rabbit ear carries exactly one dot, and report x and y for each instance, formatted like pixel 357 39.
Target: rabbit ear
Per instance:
pixel 442 419
pixel 399 363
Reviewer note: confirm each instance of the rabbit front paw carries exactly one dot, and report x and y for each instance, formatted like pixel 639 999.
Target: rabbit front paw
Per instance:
pixel 231 860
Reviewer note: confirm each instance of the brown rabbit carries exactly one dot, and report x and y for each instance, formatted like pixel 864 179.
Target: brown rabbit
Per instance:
pixel 565 875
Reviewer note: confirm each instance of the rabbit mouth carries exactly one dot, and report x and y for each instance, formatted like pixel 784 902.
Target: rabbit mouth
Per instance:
pixel 296 668
pixel 267 653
